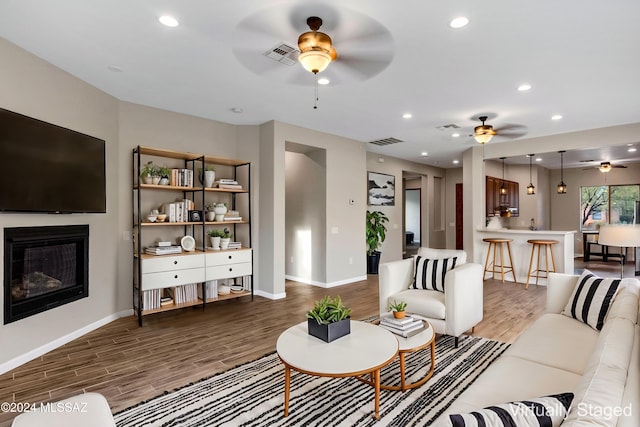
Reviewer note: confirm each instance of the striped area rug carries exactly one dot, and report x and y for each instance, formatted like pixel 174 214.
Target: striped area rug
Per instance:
pixel 252 394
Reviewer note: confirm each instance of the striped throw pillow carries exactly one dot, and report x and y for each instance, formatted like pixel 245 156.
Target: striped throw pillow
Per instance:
pixel 429 273
pixel 548 411
pixel 591 299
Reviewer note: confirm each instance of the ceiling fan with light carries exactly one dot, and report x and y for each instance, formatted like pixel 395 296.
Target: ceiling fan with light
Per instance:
pixel 343 45
pixel 605 167
pixel 484 132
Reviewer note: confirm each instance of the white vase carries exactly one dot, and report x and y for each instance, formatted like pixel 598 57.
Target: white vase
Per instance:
pixel 155 180
pixel 224 242
pixel 210 216
pixel 220 209
pixel 209 178
pixel 215 242
pixel 147 179
pixel 164 181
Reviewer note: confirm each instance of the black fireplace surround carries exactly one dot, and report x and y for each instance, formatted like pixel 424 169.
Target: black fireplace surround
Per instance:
pixel 44 267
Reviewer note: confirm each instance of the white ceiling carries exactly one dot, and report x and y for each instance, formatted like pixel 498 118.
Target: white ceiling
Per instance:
pixel 582 58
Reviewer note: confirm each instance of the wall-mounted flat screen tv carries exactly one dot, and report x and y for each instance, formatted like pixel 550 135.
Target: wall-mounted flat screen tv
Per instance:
pixel 48 168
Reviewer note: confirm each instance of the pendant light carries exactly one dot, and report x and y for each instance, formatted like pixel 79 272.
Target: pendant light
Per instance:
pixel 562 187
pixel 531 190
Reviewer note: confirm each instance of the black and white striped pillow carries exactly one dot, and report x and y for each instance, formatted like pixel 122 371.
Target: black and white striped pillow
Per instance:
pixel 429 273
pixel 548 411
pixel 591 299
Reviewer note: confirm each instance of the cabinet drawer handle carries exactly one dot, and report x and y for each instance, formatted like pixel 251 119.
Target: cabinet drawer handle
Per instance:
pixel 175 262
pixel 229 256
pixel 175 277
pixel 230 269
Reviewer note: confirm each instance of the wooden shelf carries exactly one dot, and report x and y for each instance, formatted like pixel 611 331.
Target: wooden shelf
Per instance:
pixel 225 190
pixel 229 296
pixel 172 307
pixel 167 223
pixel 166 187
pixel 244 221
pixel 151 256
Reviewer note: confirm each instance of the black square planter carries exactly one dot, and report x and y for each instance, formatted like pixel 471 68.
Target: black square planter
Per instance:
pixel 330 332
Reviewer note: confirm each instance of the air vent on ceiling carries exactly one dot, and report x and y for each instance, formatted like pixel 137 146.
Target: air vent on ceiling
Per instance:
pixel 449 126
pixel 385 141
pixel 284 53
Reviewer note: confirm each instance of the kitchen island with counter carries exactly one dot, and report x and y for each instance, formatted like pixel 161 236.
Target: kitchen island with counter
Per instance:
pixel 521 250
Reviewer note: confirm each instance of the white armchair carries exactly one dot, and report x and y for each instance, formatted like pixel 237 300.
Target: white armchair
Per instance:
pixel 453 312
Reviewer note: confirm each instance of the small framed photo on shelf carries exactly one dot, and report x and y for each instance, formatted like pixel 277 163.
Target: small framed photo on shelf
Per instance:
pixel 195 216
pixel 381 189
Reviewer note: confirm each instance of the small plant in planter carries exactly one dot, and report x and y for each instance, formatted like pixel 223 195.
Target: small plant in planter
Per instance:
pixel 215 235
pixel 399 309
pixel 164 173
pixel 329 319
pixel 225 239
pixel 150 172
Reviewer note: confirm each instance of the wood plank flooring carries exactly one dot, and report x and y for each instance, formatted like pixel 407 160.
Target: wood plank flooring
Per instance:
pixel 129 364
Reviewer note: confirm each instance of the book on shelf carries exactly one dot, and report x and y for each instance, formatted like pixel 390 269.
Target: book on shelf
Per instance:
pixel 226 181
pixel 165 301
pixel 163 250
pixel 178 211
pixel 181 178
pixel 151 299
pixel 230 186
pixel 163 243
pixel 234 245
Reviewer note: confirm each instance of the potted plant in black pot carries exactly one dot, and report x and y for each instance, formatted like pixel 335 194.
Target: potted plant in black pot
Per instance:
pixel 376 233
pixel 329 319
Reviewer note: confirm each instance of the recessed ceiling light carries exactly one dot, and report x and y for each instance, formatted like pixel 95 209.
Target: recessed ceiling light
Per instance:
pixel 237 110
pixel 424 154
pixel 455 135
pixel 632 150
pixel 455 162
pixel 459 22
pixel 539 159
pixel 115 69
pixel 556 117
pixel 323 81
pixel 524 87
pixel 168 20
pixel 407 115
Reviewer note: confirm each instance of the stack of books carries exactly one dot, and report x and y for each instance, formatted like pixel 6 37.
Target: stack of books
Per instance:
pixel 181 178
pixel 235 245
pixel 164 250
pixel 232 216
pixel 230 184
pixel 405 327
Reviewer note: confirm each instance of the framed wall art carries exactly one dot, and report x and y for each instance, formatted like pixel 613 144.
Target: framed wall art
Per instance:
pixel 381 188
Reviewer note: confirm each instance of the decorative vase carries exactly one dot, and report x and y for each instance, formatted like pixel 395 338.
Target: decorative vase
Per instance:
pixel 215 242
pixel 164 181
pixel 399 314
pixel 331 331
pixel 209 178
pixel 147 179
pixel 210 216
pixel 155 180
pixel 224 242
pixel 220 209
pixel 373 263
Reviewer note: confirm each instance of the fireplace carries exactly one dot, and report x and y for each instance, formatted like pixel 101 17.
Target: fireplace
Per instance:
pixel 44 267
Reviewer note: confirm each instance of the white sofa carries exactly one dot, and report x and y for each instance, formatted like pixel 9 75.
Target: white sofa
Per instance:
pixel 453 312
pixel 558 354
pixel 83 410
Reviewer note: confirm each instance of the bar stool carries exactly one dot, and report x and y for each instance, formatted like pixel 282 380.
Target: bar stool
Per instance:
pixel 494 243
pixel 547 244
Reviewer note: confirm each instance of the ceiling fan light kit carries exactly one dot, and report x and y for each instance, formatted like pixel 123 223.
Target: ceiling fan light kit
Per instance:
pixel 483 133
pixel 562 187
pixel 316 48
pixel 605 167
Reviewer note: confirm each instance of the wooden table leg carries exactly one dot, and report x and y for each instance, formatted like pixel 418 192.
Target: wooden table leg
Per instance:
pixel 287 380
pixel 377 398
pixel 402 371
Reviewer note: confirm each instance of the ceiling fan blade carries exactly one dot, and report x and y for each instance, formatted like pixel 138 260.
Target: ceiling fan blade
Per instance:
pixel 619 166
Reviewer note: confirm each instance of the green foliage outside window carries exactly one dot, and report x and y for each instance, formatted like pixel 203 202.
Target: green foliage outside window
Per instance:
pixel 613 204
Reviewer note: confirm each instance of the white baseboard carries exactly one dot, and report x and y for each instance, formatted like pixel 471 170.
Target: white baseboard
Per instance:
pixel 269 295
pixel 324 284
pixel 37 352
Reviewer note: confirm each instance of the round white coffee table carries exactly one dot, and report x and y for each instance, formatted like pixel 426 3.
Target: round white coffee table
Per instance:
pixel 366 350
